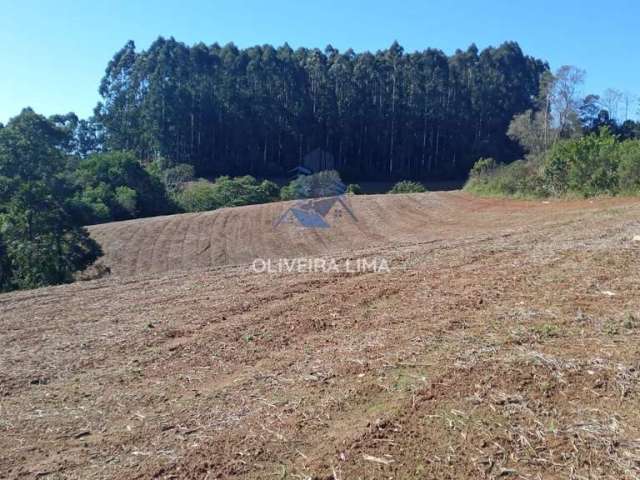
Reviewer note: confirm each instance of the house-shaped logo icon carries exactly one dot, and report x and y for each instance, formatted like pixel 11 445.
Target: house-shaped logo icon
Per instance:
pixel 321 193
pixel 317 212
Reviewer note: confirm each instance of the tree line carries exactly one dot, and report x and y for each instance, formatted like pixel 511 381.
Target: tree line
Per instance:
pixel 41 240
pixel 573 144
pixel 259 110
pixel 172 114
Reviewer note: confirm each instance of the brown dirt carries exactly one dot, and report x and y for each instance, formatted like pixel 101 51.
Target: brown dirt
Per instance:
pixel 504 343
pixel 235 236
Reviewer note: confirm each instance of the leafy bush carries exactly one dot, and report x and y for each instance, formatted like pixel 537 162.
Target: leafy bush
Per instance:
pixel 127 200
pixel 39 242
pixel 520 179
pixel 586 165
pixel 354 189
pixel 289 191
pixel 407 186
pixel 225 192
pixel 269 190
pixel 483 167
pixel 174 177
pixel 198 197
pixel 235 192
pixel 322 184
pixel 115 186
pixel 596 164
pixel 629 167
pixel 90 204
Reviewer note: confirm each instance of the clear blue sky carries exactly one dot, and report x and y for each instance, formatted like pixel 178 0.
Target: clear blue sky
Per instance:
pixel 54 52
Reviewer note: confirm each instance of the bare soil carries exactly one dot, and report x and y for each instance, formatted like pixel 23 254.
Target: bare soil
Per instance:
pixel 504 343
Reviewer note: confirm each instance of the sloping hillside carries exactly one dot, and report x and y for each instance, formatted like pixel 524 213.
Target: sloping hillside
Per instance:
pixel 503 343
pixel 236 236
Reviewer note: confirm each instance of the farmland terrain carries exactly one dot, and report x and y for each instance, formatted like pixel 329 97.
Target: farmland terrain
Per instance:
pixel 503 343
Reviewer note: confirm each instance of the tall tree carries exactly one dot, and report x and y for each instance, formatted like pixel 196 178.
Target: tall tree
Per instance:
pixel 259 110
pixel 40 241
pixel 566 99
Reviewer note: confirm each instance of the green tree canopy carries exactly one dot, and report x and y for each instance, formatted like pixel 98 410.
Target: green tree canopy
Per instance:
pixel 42 244
pixel 225 192
pixel 30 147
pixel 40 241
pixel 259 110
pixel 115 186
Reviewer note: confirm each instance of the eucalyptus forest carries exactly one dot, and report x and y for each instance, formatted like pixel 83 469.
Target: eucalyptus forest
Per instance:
pixel 183 128
pixel 389 114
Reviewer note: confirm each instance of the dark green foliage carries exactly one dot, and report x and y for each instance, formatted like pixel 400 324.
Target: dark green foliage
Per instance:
pixel 596 164
pixel 354 189
pixel 126 200
pixel 628 130
pixel 115 186
pixel 629 167
pixel 87 138
pixel 41 242
pixel 174 177
pixel 322 184
pixel 517 179
pixel 383 115
pixel 587 165
pixel 235 192
pixel 483 167
pixel 407 186
pixel 5 268
pixel 225 192
pixel 289 191
pixel 594 117
pixel 198 197
pixel 30 147
pixel 269 191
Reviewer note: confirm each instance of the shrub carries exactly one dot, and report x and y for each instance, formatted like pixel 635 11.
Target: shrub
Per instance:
pixel 520 179
pixel 92 204
pixel 269 190
pixel 483 167
pixel 288 192
pixel 586 165
pixel 198 197
pixel 322 184
pixel 596 164
pixel 175 177
pixel 354 189
pixel 629 167
pixel 115 186
pixel 39 241
pixel 126 199
pixel 235 192
pixel 407 186
pixel 225 192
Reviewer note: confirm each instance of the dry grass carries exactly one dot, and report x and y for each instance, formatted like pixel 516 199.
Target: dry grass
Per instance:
pixel 503 344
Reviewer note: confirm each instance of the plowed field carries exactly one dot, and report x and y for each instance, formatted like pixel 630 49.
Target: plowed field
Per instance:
pixel 503 343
